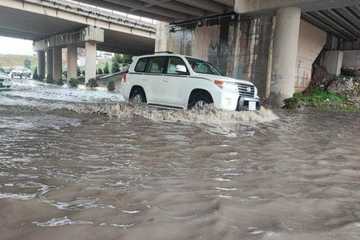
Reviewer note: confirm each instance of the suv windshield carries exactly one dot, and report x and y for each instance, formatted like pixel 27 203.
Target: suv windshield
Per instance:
pixel 203 67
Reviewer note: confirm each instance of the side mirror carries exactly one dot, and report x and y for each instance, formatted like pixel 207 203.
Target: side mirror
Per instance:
pixel 181 69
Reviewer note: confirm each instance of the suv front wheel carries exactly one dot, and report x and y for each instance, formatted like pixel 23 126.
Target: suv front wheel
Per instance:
pixel 200 100
pixel 137 96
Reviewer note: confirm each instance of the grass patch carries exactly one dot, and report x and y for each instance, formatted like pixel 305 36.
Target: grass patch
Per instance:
pixel 322 100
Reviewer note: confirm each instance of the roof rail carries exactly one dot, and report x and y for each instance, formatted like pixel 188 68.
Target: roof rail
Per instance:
pixel 168 52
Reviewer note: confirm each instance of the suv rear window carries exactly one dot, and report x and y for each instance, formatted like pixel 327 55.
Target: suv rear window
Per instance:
pixel 141 65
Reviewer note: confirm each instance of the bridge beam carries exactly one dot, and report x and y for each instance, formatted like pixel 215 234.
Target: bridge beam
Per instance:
pixel 90 68
pixel 57 64
pixel 49 64
pixel 258 6
pixel 333 62
pixel 41 64
pixel 71 62
pixel 285 51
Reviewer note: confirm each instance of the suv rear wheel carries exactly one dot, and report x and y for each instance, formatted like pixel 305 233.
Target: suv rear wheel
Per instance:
pixel 137 96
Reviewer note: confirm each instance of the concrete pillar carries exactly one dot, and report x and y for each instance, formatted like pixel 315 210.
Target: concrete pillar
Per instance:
pixel 41 64
pixel 90 63
pixel 49 64
pixel 162 35
pixel 285 53
pixel 71 62
pixel 57 63
pixel 333 62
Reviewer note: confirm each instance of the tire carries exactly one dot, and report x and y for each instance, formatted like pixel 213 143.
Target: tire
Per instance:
pixel 137 96
pixel 199 102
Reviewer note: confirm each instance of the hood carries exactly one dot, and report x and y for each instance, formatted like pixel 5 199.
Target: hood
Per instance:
pixel 223 78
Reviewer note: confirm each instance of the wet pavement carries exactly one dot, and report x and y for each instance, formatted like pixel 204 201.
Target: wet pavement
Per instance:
pixel 78 164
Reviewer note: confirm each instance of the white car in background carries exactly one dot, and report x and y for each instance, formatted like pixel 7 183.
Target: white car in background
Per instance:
pixel 5 82
pixel 20 72
pixel 177 81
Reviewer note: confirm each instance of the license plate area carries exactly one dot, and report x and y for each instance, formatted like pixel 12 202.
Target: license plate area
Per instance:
pixel 252 106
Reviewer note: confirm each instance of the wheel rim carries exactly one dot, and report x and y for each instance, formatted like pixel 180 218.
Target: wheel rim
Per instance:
pixel 200 105
pixel 137 99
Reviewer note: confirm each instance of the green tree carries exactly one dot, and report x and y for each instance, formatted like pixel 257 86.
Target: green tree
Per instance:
pixel 100 71
pixel 27 63
pixel 106 68
pixel 115 67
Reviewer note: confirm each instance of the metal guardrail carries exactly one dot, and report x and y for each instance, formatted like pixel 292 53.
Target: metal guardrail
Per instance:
pixel 96 12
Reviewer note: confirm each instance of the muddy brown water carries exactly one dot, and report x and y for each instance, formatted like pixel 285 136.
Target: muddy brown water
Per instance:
pixel 148 174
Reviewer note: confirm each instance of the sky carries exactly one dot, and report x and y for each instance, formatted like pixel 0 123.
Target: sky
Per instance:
pixel 15 46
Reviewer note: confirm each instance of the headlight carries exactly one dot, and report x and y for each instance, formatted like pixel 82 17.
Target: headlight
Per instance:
pixel 219 83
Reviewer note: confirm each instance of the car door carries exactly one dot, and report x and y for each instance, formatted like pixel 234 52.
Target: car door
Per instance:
pixel 175 82
pixel 154 74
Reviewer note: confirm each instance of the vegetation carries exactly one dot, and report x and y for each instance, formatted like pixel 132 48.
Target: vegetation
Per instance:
pixel 78 71
pixel 111 86
pixel 60 82
pixel 92 83
pixel 106 68
pixel 12 61
pixel 115 67
pixel 74 82
pixel 100 71
pixel 49 80
pixel 27 63
pixel 322 100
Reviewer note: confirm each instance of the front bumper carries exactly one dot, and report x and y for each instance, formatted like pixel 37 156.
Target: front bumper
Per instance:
pixel 248 104
pixel 231 101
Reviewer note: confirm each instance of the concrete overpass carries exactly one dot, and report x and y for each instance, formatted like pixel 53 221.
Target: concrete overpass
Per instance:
pixel 271 42
pixel 267 41
pixel 54 24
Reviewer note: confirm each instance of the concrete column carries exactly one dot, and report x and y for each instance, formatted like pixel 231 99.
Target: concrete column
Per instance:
pixel 57 63
pixel 333 62
pixel 285 53
pixel 41 64
pixel 162 35
pixel 49 64
pixel 71 62
pixel 90 63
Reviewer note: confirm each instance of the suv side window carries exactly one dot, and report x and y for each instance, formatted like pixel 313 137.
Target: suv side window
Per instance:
pixel 141 65
pixel 156 65
pixel 173 62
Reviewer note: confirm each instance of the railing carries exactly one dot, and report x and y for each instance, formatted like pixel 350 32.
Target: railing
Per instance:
pixel 99 13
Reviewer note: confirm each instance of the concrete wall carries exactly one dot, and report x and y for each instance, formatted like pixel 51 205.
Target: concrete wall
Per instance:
pixel 238 49
pixel 311 42
pixel 351 59
pixel 244 49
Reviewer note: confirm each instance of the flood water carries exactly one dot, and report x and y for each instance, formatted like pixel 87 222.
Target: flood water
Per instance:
pixel 78 164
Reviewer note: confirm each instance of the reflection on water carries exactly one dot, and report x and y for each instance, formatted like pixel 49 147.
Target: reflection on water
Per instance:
pixel 139 173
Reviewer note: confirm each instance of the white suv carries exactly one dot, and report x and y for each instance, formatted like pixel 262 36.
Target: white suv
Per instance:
pixel 177 81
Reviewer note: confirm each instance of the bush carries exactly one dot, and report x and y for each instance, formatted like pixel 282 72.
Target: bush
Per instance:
pixel 60 82
pixel 111 86
pixel 100 71
pixel 115 67
pixel 74 83
pixel 106 68
pixel 320 99
pixel 49 80
pixel 92 83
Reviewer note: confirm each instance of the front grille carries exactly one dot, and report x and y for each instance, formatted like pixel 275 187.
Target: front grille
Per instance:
pixel 246 90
